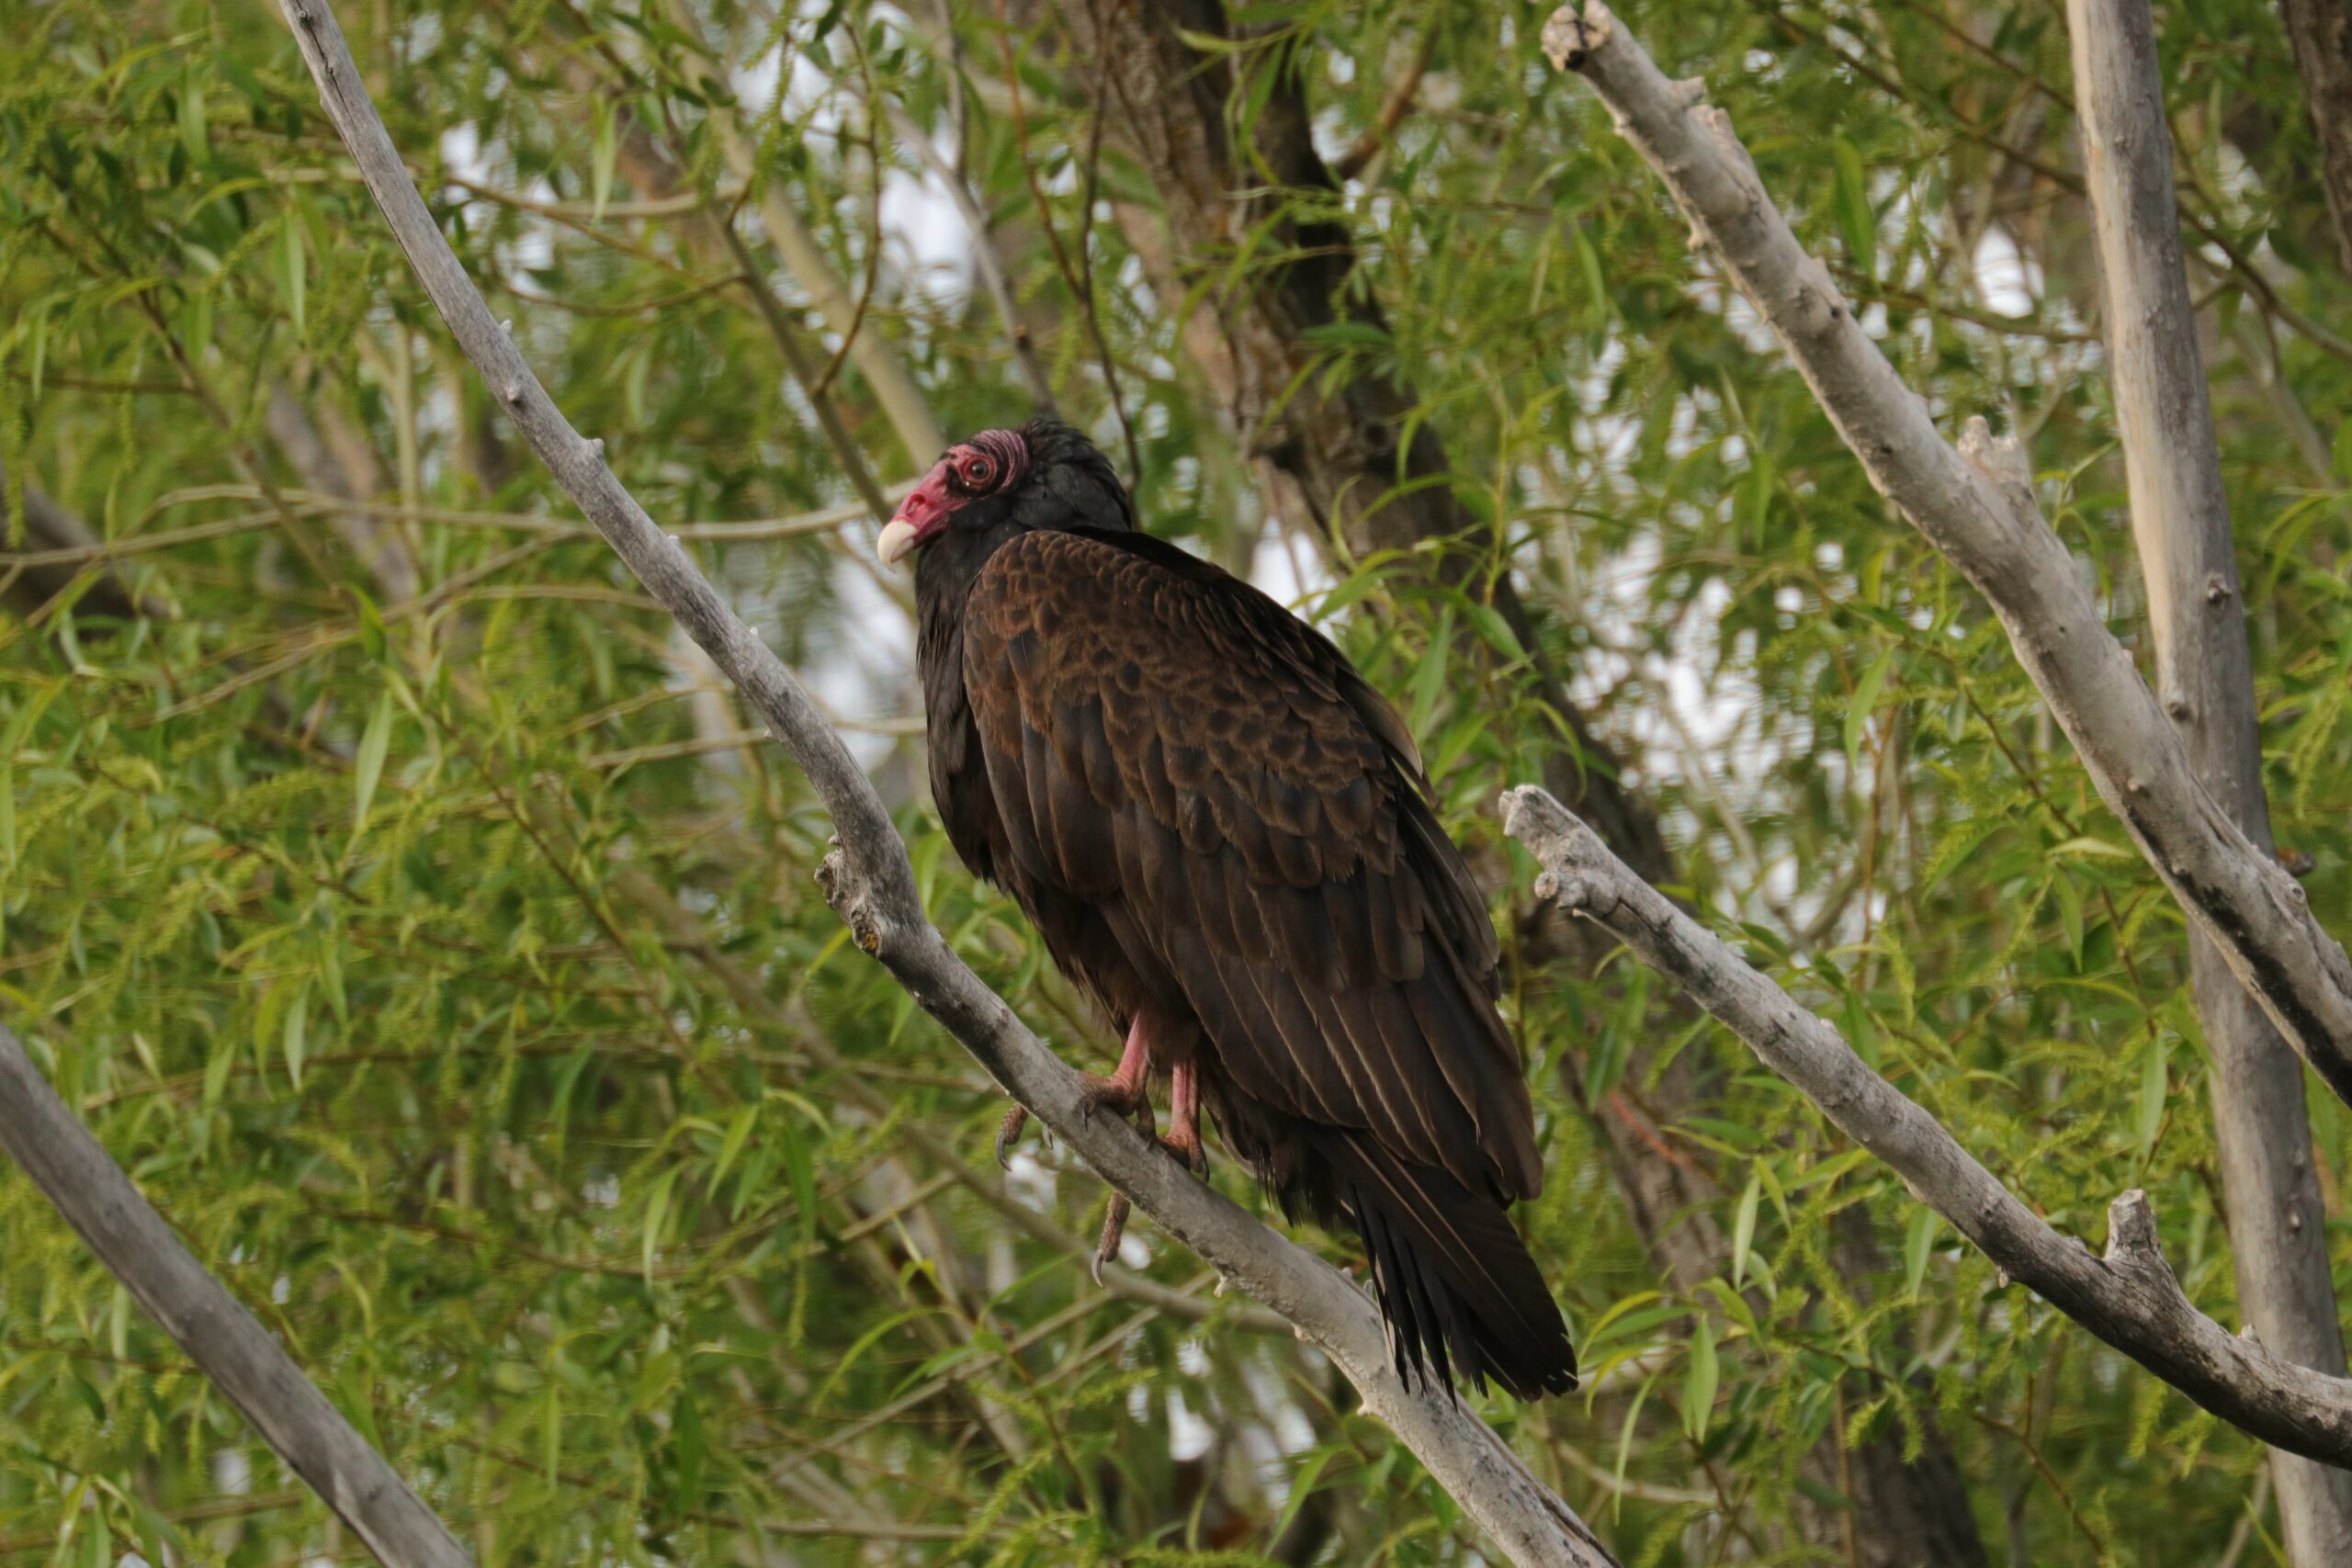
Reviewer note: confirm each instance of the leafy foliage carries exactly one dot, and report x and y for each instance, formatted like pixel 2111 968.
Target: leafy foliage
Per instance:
pixel 400 904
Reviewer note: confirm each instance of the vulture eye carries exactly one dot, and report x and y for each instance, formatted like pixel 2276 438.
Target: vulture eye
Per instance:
pixel 978 472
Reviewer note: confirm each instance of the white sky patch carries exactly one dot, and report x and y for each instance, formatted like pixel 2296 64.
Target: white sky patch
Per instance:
pixel 468 157
pixel 1289 571
pixel 755 80
pixel 2006 280
pixel 461 152
pixel 921 225
pixel 1031 1180
pixel 807 100
pixel 1133 1252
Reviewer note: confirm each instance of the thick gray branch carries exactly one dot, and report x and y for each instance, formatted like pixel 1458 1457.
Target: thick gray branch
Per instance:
pixel 2128 1298
pixel 868 881
pixel 2181 518
pixel 1975 504
pixel 241 1358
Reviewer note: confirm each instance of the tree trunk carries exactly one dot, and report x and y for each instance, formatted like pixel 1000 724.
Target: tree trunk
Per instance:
pixel 2205 680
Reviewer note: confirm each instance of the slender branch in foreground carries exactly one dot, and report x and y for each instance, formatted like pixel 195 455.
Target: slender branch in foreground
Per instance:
pixel 2129 1298
pixel 242 1359
pixel 869 881
pixel 2180 517
pixel 1974 503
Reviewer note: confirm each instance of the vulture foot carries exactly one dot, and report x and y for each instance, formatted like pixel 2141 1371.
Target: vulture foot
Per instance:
pixel 1115 1230
pixel 1126 1090
pixel 1185 1144
pixel 1128 1101
pixel 1008 1133
pixel 1184 1140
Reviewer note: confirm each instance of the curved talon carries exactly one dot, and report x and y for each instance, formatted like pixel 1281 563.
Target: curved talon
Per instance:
pixel 1190 1147
pixel 1008 1133
pixel 1114 1229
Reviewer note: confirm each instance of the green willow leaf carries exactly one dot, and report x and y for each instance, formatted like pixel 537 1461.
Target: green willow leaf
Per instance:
pixel 369 766
pixel 1699 1382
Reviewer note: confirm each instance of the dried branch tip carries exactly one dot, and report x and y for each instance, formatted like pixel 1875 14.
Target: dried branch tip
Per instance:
pixel 1569 40
pixel 845 890
pixel 2132 1231
pixel 1998 458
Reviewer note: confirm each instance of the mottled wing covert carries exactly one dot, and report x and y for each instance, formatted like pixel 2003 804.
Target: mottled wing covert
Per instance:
pixel 1171 745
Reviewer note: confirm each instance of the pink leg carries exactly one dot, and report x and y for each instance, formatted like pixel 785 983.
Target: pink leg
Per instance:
pixel 1183 1138
pixel 1125 1090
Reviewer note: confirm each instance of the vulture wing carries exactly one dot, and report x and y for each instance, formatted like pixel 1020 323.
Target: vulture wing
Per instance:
pixel 1173 748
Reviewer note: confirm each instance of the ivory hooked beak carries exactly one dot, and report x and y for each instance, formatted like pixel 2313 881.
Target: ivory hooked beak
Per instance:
pixel 896 538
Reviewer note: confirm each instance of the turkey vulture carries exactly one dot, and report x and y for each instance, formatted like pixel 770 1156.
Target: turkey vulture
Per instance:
pixel 1224 836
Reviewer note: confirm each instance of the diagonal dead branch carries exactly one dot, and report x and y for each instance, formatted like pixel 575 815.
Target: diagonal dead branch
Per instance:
pixel 869 881
pixel 244 1360
pixel 1974 503
pixel 2129 1299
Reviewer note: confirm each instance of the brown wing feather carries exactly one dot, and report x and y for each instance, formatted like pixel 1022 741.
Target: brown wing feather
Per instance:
pixel 1166 741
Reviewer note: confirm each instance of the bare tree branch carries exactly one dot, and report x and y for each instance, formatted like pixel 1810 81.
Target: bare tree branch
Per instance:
pixel 1974 503
pixel 241 1356
pixel 870 883
pixel 2180 517
pixel 2129 1298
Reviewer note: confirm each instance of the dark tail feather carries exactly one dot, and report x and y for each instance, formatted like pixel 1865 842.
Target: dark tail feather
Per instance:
pixel 1456 1284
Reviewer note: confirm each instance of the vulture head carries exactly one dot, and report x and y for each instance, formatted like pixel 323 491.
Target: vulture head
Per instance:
pixel 1002 482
